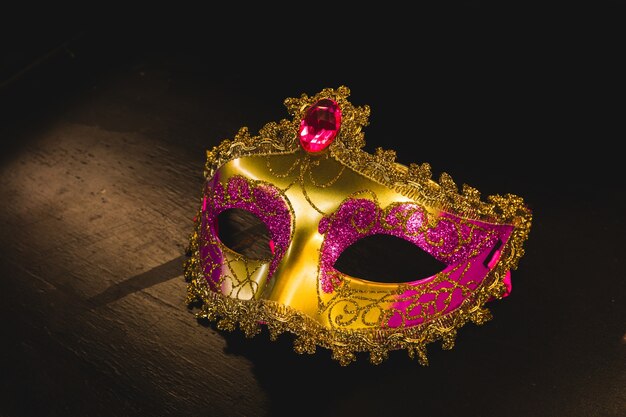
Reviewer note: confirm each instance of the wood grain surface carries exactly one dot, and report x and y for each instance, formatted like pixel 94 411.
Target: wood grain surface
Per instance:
pixel 101 168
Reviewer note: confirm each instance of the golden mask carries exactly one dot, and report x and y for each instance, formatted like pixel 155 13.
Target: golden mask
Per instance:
pixel 317 192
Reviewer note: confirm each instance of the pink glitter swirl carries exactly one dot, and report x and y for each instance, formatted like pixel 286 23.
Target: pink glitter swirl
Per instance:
pixel 451 240
pixel 259 198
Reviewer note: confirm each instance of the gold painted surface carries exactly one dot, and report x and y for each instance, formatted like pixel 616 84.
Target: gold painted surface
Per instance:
pixel 314 187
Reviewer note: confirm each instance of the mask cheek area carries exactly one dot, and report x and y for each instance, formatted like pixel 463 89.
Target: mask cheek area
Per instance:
pixel 393 283
pixel 445 292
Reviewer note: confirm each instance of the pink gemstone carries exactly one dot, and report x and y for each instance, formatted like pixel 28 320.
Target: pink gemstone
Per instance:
pixel 320 125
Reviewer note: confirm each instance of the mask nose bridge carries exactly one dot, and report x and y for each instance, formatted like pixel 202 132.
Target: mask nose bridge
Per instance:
pixel 294 282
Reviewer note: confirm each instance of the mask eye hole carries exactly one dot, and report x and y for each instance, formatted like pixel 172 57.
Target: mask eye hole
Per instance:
pixel 243 232
pixel 387 259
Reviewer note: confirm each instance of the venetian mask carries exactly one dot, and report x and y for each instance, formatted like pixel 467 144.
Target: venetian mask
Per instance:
pixel 309 182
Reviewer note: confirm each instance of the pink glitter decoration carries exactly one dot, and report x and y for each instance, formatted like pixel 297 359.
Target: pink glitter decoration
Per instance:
pixel 440 298
pixel 320 125
pixel 263 200
pixel 463 245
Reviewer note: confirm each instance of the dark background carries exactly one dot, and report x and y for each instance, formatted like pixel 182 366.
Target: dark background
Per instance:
pixel 520 100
